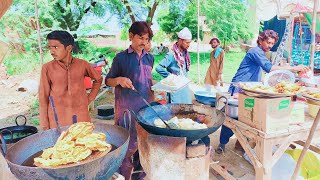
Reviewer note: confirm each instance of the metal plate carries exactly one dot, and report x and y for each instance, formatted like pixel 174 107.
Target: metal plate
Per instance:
pixel 311 99
pixel 254 93
pixel 170 89
pixel 277 76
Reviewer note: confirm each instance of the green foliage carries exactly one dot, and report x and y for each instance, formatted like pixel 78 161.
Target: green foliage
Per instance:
pixel 176 19
pixel 142 10
pixel 69 13
pixel 232 62
pixel 18 26
pixel 35 121
pixel 227 19
pixel 23 62
pixel 124 33
pixel 160 37
pixel 34 109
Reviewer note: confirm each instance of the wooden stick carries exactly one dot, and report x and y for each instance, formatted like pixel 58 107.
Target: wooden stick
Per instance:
pixel 223 172
pixel 306 147
pixel 313 32
pixel 244 143
pixel 312 147
pixel 38 30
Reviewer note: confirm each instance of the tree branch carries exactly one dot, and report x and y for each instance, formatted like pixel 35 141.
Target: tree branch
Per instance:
pixel 128 7
pixel 93 4
pixel 151 12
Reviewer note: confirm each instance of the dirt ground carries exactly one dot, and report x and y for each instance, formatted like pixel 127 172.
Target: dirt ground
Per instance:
pixel 13 103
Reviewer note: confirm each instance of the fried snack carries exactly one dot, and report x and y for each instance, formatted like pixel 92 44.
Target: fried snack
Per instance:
pixel 282 87
pixel 181 123
pixel 80 129
pixel 314 94
pixel 75 144
pixel 173 80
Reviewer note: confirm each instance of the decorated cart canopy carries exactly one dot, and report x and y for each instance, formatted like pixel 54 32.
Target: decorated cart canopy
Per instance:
pixel 267 9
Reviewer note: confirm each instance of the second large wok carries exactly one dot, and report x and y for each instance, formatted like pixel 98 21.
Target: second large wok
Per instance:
pixel 100 168
pixel 211 117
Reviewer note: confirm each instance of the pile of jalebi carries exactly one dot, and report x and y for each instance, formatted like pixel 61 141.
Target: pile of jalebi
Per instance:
pixel 75 144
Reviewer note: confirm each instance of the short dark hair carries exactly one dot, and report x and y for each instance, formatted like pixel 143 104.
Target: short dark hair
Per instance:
pixel 214 39
pixel 141 28
pixel 268 34
pixel 63 37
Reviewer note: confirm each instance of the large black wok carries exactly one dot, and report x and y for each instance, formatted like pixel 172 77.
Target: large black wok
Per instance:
pixel 211 117
pixel 13 134
pixel 101 168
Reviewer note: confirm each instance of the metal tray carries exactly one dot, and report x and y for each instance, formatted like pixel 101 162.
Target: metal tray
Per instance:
pixel 170 89
pixel 311 99
pixel 254 93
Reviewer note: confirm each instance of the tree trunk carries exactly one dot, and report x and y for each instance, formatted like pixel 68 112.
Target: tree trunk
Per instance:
pixel 151 12
pixel 128 7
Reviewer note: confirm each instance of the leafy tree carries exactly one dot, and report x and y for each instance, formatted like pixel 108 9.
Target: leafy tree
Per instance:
pixel 18 26
pixel 227 19
pixel 130 11
pixel 176 19
pixel 160 37
pixel 124 33
pixel 69 13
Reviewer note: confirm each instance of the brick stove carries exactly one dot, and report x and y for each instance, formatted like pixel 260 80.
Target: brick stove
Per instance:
pixel 164 157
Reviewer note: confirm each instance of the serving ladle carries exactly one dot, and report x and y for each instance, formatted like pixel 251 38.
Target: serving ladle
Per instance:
pixel 150 106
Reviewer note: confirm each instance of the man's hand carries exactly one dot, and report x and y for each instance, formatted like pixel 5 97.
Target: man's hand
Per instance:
pixel 124 82
pixel 300 68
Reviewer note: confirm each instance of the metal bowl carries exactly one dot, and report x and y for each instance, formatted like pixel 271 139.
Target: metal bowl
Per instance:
pixel 205 97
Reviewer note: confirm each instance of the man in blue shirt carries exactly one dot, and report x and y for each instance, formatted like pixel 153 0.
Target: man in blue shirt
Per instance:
pixel 250 70
pixel 177 62
pixel 130 69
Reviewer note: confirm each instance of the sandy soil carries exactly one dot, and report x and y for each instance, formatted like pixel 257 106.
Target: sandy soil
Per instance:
pixel 13 103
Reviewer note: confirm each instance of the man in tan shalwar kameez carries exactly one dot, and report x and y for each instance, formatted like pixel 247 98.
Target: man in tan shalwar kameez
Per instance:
pixel 214 73
pixel 63 80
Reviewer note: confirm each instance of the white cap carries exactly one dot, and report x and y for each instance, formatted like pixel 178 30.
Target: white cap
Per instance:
pixel 185 34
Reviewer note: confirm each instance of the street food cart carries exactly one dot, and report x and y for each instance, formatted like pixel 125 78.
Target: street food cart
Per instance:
pixel 270 122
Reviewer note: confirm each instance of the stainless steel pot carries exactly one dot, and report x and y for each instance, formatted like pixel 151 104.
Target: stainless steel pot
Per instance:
pixel 231 108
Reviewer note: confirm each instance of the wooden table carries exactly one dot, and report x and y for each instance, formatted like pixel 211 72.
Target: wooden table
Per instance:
pixel 263 159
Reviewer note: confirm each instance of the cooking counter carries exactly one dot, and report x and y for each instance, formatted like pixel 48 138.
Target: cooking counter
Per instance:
pixel 262 157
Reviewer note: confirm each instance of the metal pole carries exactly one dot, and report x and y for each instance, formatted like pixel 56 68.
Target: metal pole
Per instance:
pixel 313 32
pixel 38 29
pixel 198 42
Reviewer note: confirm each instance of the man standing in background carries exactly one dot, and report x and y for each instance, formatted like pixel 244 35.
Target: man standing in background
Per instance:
pixel 178 62
pixel 214 73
